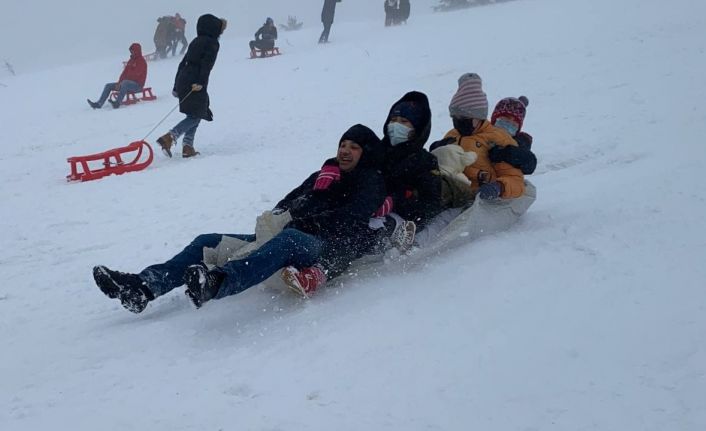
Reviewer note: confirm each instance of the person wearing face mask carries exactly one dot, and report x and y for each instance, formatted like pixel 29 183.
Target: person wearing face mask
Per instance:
pixel 509 114
pixel 473 132
pixel 411 173
pixel 329 210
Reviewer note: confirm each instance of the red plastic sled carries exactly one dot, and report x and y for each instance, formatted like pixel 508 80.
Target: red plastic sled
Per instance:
pixel 132 98
pixel 112 162
pixel 263 53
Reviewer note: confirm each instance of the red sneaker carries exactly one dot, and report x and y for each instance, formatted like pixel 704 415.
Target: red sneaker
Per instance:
pixel 304 281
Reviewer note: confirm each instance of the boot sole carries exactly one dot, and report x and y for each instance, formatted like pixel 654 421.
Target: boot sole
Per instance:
pixel 192 279
pixel 105 283
pixel 132 301
pixel 290 280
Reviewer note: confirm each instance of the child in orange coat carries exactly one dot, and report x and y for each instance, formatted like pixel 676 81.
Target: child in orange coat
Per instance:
pixel 473 132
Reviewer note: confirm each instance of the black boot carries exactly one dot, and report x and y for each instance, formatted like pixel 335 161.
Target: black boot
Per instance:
pixel 201 284
pixel 93 105
pixel 132 291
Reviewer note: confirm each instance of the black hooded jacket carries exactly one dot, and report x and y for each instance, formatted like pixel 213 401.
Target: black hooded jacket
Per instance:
pixel 339 213
pixel 411 172
pixel 195 68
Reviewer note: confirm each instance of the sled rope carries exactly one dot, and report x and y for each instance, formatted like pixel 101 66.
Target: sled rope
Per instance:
pixel 166 116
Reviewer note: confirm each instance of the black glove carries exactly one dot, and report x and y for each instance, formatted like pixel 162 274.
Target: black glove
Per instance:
pixel 521 158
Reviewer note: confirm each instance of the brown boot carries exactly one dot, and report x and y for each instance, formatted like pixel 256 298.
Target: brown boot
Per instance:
pixel 188 151
pixel 166 141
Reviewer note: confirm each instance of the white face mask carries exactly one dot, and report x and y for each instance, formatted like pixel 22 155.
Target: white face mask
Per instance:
pixel 510 126
pixel 398 133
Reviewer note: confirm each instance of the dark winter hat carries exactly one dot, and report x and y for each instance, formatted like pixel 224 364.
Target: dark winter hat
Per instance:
pixel 269 20
pixel 469 101
pixel 412 111
pixel 511 107
pixel 373 153
pixel 422 123
pixel 210 25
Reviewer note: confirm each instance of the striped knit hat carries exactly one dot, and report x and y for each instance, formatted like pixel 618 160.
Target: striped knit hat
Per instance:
pixel 469 101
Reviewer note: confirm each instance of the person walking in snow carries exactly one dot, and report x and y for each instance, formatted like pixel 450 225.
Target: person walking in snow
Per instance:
pixel 403 12
pixel 131 79
pixel 179 35
pixel 391 12
pixel 328 211
pixel 265 37
pixel 327 14
pixel 163 35
pixel 191 84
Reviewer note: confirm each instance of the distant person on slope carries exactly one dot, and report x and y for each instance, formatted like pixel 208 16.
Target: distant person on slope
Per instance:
pixel 191 84
pixel 328 210
pixel 403 12
pixel 327 14
pixel 131 79
pixel 163 35
pixel 391 12
pixel 179 35
pixel 265 37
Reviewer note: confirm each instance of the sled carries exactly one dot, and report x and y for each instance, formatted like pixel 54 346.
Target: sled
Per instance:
pixel 148 57
pixel 264 53
pixel 132 97
pixel 113 163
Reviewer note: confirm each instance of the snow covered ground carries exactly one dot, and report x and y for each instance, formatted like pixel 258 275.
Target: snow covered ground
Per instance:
pixel 590 314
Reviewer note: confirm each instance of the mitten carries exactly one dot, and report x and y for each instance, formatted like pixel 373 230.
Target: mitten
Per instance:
pixel 490 190
pixel 441 143
pixel 327 175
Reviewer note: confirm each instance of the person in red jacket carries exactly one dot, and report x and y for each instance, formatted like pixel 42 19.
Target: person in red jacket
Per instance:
pixel 132 79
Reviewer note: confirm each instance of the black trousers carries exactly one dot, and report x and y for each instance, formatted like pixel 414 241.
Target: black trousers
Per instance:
pixel 324 34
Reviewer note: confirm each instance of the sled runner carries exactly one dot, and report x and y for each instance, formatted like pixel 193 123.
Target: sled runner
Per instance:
pixel 132 97
pixel 148 57
pixel 264 53
pixel 112 162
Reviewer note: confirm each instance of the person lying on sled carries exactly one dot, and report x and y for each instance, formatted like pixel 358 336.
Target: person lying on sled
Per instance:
pixel 329 210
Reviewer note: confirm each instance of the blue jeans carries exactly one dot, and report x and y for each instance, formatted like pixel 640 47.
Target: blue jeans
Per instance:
pixel 186 127
pixel 289 247
pixel 125 87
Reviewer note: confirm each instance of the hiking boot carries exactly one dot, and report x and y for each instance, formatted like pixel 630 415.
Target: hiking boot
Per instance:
pixel 402 237
pixel 130 289
pixel 114 103
pixel 166 141
pixel 188 151
pixel 306 281
pixel 202 285
pixel 93 105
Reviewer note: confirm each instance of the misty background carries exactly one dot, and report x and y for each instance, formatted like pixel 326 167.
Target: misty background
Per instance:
pixel 75 31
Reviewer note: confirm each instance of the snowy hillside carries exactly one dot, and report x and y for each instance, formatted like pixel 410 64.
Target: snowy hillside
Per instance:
pixel 589 314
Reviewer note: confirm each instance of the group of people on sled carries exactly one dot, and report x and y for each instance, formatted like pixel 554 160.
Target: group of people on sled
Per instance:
pixel 373 195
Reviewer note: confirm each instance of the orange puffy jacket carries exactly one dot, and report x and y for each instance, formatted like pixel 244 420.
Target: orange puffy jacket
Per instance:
pixel 485 137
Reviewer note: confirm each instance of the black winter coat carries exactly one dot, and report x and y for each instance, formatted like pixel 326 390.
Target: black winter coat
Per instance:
pixel 266 33
pixel 412 173
pixel 195 68
pixel 328 11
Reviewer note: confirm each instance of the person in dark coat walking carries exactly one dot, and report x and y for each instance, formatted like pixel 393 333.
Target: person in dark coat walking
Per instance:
pixel 265 37
pixel 179 35
pixel 327 13
pixel 191 84
pixel 329 210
